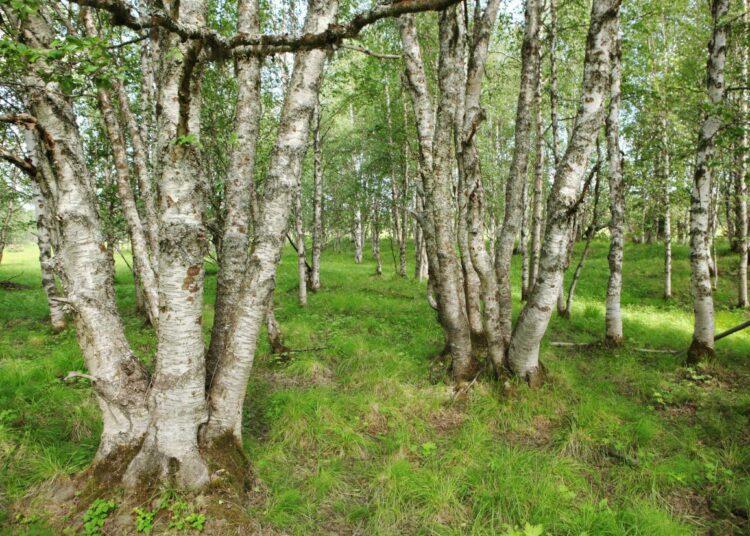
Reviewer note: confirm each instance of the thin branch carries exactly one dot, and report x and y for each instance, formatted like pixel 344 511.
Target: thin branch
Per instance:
pixel 369 52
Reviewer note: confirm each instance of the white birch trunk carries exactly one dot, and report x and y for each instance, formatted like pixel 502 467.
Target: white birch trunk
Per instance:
pixel 227 392
pixel 741 178
pixel 523 355
pixel 317 234
pixel 239 191
pixel 519 165
pixel 177 406
pixel 613 316
pixel 44 225
pixel 119 379
pixel 700 258
pixel 537 211
pixel 301 255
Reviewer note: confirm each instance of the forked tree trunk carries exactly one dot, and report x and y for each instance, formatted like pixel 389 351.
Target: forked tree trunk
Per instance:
pixel 436 176
pixel 317 232
pixel 176 401
pixel 613 316
pixel 120 380
pixel 703 305
pixel 469 162
pixel 519 165
pixel 239 191
pixel 523 354
pixel 227 392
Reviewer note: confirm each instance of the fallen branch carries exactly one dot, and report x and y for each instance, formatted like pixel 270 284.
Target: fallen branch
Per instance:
pixel 75 374
pixel 657 351
pixel 735 329
pixel 569 344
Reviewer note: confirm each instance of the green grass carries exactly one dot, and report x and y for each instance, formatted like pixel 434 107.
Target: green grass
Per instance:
pixel 363 435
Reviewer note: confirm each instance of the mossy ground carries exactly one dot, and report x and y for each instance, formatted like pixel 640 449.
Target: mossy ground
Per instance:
pixel 361 435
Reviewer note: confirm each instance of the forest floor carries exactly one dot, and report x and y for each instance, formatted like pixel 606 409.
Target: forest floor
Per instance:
pixel 360 434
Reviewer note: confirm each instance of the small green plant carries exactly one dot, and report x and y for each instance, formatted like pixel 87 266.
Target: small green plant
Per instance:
pixel 182 520
pixel 428 449
pixel 96 516
pixel 144 520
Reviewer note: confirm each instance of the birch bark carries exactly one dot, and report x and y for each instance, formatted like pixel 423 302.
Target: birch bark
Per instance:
pixel 177 405
pixel 239 190
pixel 523 353
pixel 44 230
pixel 227 392
pixel 317 234
pixel 519 165
pixel 741 178
pixel 700 258
pixel 613 315
pixel 120 380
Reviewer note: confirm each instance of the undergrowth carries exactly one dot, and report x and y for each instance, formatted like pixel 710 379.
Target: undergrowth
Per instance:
pixel 359 432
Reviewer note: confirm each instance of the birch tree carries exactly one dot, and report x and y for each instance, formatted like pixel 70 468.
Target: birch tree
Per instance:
pixel 613 316
pixel 700 257
pixel 523 354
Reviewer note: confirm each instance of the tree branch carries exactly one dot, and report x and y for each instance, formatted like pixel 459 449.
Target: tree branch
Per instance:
pixel 21 163
pixel 262 45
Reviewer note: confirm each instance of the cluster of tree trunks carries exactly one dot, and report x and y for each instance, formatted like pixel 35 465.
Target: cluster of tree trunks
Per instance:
pixel 169 424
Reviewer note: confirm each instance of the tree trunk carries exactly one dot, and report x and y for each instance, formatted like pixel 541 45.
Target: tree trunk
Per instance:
pixel 613 317
pixel 523 353
pixel 358 236
pixel 301 255
pixel 239 192
pixel 44 230
pixel 141 260
pixel 317 234
pixel 436 175
pixel 176 401
pixel 666 172
pixel 119 379
pixel 741 176
pixel 590 233
pixel 227 392
pixel 519 165
pixel 703 305
pixel 537 211
pixel 375 242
